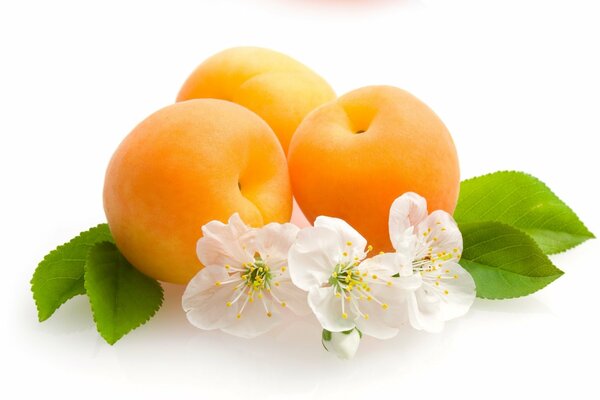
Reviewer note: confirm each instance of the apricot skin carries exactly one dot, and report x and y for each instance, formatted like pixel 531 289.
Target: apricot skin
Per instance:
pixel 185 165
pixel 278 88
pixel 338 170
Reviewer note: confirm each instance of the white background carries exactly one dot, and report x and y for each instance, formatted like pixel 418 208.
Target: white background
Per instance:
pixel 516 81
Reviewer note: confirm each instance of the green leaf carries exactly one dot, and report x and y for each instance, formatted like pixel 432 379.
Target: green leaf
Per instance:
pixel 522 201
pixel 122 298
pixel 59 276
pixel 504 261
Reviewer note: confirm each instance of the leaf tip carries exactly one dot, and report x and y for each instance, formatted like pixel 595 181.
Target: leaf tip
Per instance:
pixel 111 341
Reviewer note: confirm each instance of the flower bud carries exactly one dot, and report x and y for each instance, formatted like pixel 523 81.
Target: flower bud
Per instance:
pixel 342 344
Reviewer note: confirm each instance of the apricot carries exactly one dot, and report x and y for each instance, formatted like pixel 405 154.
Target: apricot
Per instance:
pixel 352 157
pixel 278 88
pixel 185 165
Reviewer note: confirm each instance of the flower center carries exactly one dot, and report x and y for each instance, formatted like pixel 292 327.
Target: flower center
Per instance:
pixel 431 267
pixel 427 261
pixel 257 275
pixel 252 280
pixel 345 276
pixel 353 286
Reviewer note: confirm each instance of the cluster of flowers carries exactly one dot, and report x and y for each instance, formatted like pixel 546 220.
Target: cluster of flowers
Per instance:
pixel 254 276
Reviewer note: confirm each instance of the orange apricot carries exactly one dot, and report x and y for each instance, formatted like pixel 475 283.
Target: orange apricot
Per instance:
pixel 185 165
pixel 351 157
pixel 278 88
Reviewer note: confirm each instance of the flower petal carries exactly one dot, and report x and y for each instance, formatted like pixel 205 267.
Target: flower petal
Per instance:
pixel 460 289
pixel 440 232
pixel 424 312
pixel 328 309
pixel 294 298
pixel 223 244
pixel 406 212
pixel 254 320
pixel 205 303
pixel 385 305
pixel 313 257
pixel 387 264
pixel 381 324
pixel 351 242
pixel 273 242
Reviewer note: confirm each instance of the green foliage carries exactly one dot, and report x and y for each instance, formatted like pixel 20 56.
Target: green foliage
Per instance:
pixel 59 276
pixel 122 298
pixel 524 202
pixel 504 261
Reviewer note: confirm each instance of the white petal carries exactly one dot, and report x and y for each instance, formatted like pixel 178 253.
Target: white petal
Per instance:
pixel 205 303
pixel 383 321
pixel 343 345
pixel 313 257
pixel 424 312
pixel 406 212
pixel 409 282
pixel 223 244
pixel 440 232
pixel 352 242
pixel 451 297
pixel 461 291
pixel 381 324
pixel 345 232
pixel 386 264
pixel 254 320
pixel 294 298
pixel 328 309
pixel 273 242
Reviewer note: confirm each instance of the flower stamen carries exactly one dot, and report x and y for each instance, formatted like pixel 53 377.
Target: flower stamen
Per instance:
pixel 253 279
